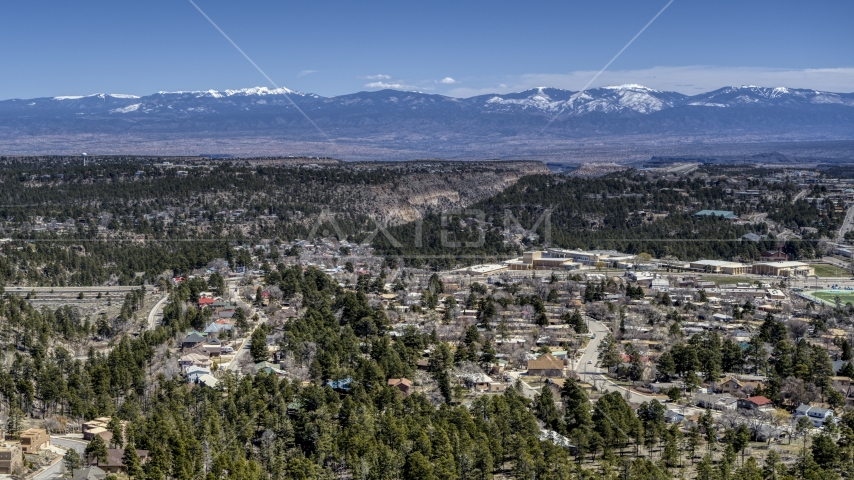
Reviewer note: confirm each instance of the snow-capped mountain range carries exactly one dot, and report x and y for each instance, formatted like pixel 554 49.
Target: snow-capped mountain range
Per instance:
pixel 614 110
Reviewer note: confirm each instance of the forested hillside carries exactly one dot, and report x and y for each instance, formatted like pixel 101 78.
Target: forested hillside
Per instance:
pixel 627 212
pixel 126 221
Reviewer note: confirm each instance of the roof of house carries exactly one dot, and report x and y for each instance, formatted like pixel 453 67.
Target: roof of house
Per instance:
pixel 393 382
pixel 545 362
pixel 208 380
pixel 812 411
pixel 114 457
pixel 759 400
pixel 89 473
pixel 194 337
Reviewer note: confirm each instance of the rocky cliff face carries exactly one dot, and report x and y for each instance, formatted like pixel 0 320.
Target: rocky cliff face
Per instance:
pixel 440 187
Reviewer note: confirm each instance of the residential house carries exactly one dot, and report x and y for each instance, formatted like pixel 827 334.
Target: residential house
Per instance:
pixel 843 386
pixel 269 368
pixel 546 365
pixel 478 381
pixel 192 339
pixel 816 415
pixel 89 473
pixel 114 462
pixel 207 380
pixel 672 416
pixel 194 359
pixel 774 256
pixel 759 403
pixel 11 459
pixel 193 373
pixel 93 427
pixel 716 402
pixel 34 439
pixel 402 384
pixel 738 387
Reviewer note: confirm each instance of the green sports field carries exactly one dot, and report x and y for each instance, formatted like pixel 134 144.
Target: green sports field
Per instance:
pixel 846 296
pixel 828 270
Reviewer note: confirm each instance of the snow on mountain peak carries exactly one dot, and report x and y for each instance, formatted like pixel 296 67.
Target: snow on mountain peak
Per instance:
pixel 630 86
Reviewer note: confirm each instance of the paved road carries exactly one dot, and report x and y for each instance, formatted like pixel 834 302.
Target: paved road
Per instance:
pixel 155 316
pixel 55 470
pixel 800 195
pixel 592 374
pixel 243 349
pixel 26 290
pixel 847 225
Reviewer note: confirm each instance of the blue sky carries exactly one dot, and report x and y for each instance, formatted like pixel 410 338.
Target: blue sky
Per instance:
pixel 56 47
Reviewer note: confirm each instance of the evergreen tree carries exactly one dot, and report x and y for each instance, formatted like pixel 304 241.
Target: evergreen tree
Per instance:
pixel 72 461
pixel 545 409
pixel 97 449
pixel 258 344
pixel 131 461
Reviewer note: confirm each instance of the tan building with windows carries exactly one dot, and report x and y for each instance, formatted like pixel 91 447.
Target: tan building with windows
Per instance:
pixel 11 459
pixel 782 269
pixel 720 266
pixel 34 439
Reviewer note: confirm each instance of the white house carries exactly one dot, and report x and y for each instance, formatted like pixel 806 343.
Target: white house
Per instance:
pixel 816 415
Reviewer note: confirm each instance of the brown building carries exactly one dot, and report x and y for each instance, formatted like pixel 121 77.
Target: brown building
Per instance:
pixel 546 365
pixel 11 459
pixel 114 460
pixel 774 256
pixel 402 384
pixel 34 439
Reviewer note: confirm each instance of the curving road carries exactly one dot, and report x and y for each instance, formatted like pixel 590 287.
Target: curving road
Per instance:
pixel 590 373
pixel 55 470
pixel 155 316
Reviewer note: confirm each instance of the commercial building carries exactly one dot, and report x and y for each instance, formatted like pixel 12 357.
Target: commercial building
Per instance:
pixel 782 269
pixel 487 269
pixel 541 261
pixel 720 266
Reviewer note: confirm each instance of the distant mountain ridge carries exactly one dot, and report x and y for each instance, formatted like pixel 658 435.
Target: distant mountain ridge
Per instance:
pixel 395 120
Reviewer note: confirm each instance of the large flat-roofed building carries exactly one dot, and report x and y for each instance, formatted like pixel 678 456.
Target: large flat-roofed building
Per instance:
pixel 541 261
pixel 782 269
pixel 580 256
pixel 487 269
pixel 11 460
pixel 720 266
pixel 34 439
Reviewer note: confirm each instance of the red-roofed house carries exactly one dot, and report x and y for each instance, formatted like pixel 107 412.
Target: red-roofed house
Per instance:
pixel 756 403
pixel 627 358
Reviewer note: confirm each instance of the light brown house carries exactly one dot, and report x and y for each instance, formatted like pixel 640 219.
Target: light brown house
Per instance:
pixel 11 459
pixel 95 426
pixel 546 365
pixel 34 439
pixel 402 384
pixel 114 460
pixel 740 388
